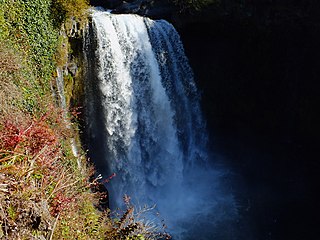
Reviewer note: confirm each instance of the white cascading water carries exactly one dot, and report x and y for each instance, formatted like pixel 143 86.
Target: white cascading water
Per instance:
pixel 63 104
pixel 144 122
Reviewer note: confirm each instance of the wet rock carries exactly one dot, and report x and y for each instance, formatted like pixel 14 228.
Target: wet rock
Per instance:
pixel 159 10
pixel 72 69
pixel 129 7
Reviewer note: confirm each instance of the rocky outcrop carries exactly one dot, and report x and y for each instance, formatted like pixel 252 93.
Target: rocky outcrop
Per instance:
pixel 132 7
pixel 149 8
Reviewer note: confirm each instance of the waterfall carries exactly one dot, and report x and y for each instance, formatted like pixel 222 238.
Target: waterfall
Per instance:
pixel 144 121
pixel 60 89
pixel 63 105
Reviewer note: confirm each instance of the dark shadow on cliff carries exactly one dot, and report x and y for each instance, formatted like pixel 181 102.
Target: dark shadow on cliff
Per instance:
pixel 260 93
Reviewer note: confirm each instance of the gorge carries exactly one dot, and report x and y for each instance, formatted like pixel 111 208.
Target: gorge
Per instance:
pixel 217 139
pixel 144 126
pixel 256 66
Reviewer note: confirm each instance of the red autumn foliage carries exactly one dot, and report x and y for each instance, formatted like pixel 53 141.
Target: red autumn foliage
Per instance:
pixel 10 136
pixel 59 203
pixel 30 137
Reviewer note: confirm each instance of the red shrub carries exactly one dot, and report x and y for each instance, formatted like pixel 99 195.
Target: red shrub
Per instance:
pixel 29 137
pixel 10 136
pixel 59 203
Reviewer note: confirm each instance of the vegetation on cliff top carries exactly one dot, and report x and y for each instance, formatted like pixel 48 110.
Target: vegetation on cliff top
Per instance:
pixel 45 190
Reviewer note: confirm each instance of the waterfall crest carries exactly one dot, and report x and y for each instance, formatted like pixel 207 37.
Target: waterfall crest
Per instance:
pixel 143 116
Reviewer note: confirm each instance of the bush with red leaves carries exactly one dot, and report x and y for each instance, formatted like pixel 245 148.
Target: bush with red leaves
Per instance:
pixel 29 137
pixel 59 203
pixel 32 138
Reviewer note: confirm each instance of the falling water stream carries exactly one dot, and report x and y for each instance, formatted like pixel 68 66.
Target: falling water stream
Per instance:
pixel 145 125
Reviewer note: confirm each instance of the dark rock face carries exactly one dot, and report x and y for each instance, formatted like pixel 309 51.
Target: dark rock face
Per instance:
pixel 259 82
pixel 150 8
pixel 131 7
pixel 109 4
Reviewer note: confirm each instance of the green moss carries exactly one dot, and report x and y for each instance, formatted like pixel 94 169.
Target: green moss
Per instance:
pixel 12 213
pixel 32 28
pixel 61 56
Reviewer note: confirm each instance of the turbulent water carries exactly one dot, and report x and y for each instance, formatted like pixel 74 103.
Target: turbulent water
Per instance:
pixel 144 124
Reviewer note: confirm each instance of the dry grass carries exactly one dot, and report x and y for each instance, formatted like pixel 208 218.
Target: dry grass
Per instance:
pixel 41 186
pixel 9 73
